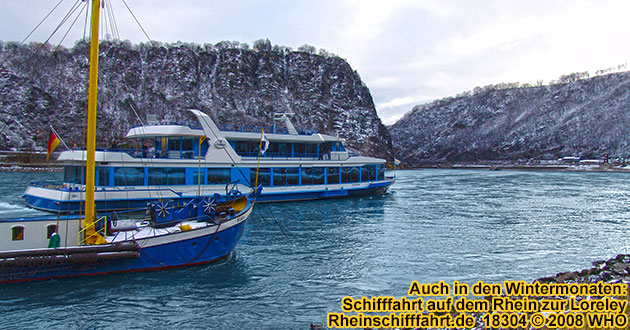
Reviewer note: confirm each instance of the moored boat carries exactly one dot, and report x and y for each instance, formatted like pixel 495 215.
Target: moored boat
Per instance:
pixel 180 160
pixel 42 248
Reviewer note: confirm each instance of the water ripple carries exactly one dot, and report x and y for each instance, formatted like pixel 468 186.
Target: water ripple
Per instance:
pixel 296 260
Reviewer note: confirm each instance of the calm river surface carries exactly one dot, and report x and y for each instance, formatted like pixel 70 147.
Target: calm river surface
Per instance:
pixel 296 260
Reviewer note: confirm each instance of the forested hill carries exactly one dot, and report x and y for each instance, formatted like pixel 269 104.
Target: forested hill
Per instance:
pixel 231 82
pixel 587 117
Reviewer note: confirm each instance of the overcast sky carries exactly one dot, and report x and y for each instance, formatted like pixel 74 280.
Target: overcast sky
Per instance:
pixel 407 52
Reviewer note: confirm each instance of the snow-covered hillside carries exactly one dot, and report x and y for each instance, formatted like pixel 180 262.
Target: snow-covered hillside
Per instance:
pixel 235 85
pixel 588 118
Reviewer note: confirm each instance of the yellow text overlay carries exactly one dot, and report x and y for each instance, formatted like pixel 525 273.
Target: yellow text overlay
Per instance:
pixel 511 305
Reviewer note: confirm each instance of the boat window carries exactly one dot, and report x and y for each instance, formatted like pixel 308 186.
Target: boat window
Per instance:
pixel 161 147
pixel 129 176
pixel 174 144
pixel 264 176
pixel 177 175
pixel 346 174
pixel 74 174
pixel 318 175
pixel 272 150
pixel 299 150
pixel 167 176
pixel 68 173
pixel 187 144
pixel 218 175
pixel 279 176
pixel 355 174
pixel 368 173
pixel 196 177
pixel 305 150
pixel 333 175
pixel 325 148
pixel 187 149
pixel 293 176
pixel 311 150
pixel 157 176
pixel 307 175
pixel 17 233
pixel 284 150
pixel 246 148
pixel 381 172
pixel 103 176
pixel 253 148
pixel 50 230
pixel 371 172
pixel 241 147
pixel 349 174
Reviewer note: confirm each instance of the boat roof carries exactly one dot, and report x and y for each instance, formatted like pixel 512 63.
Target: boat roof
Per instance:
pixel 239 133
pixel 164 131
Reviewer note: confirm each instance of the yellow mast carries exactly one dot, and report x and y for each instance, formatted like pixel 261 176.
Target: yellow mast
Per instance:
pixel 91 238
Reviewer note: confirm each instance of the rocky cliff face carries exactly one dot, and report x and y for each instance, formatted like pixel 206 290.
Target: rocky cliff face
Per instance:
pixel 40 86
pixel 588 118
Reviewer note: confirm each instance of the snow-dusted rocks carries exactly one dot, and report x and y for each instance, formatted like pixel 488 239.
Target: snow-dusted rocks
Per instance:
pixel 588 118
pixel 235 85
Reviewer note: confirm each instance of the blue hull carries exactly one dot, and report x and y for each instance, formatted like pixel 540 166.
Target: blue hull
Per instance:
pixel 117 205
pixel 181 253
pixel 373 189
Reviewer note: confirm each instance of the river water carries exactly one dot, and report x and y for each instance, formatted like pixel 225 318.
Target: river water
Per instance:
pixel 296 260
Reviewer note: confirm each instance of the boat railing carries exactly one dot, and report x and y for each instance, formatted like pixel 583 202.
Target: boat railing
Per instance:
pixel 192 125
pixel 235 128
pixel 56 185
pixel 133 152
pixel 281 155
pixel 99 226
pixel 149 152
pixel 283 158
pixel 257 129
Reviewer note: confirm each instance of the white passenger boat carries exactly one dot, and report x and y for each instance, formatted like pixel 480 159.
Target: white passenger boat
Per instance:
pixel 179 161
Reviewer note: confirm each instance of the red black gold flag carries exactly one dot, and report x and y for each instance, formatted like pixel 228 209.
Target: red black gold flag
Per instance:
pixel 53 142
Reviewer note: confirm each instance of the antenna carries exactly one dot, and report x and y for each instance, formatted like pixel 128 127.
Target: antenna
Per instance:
pixel 284 116
pixel 134 111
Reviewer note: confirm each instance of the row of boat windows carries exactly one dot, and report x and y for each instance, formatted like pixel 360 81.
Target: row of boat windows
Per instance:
pixel 277 176
pixel 317 175
pixel 183 147
pixel 17 232
pixel 311 150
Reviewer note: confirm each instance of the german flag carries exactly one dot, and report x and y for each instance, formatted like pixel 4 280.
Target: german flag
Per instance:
pixel 53 142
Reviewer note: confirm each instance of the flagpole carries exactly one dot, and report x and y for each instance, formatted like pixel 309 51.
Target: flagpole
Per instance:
pixel 262 135
pixel 396 163
pixel 201 139
pixel 59 137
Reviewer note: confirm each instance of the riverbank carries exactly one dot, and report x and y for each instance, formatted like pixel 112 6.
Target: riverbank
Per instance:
pixel 35 161
pixel 498 166
pixel 30 168
pixel 28 161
